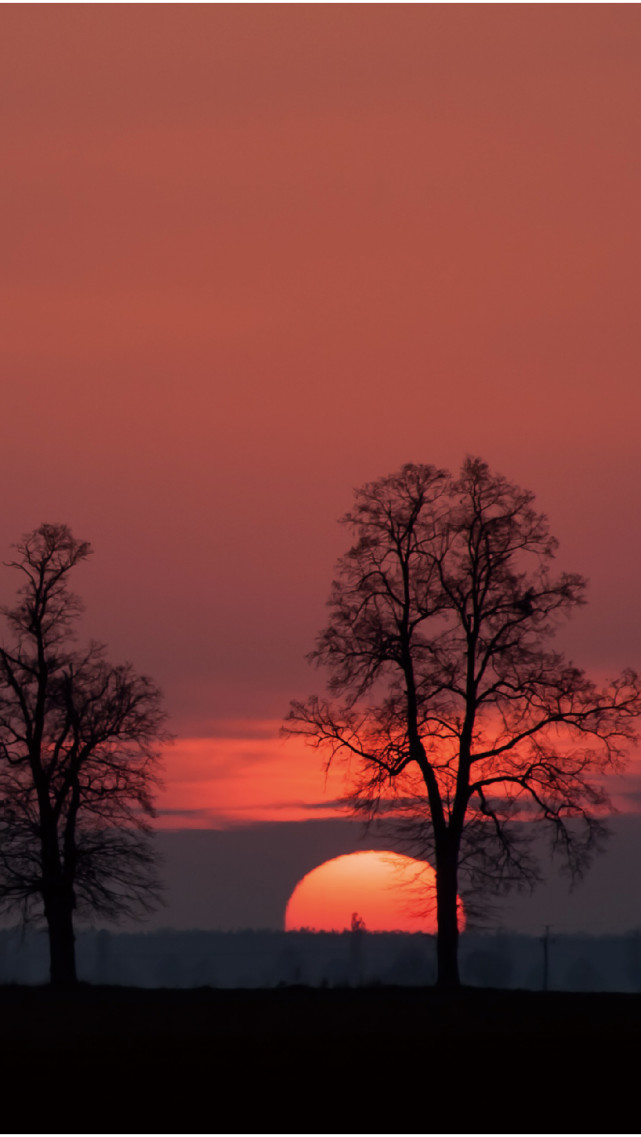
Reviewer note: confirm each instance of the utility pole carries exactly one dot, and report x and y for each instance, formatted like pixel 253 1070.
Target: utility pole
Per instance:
pixel 546 957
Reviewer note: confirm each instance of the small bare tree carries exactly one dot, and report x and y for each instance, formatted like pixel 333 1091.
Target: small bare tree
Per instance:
pixel 446 695
pixel 78 760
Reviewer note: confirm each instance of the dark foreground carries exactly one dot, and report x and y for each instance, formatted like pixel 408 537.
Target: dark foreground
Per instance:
pixel 396 1060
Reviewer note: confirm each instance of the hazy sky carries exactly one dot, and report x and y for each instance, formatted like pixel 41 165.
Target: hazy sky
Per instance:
pixel 254 256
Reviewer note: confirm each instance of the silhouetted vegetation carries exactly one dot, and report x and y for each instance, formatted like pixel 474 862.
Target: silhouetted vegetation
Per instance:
pixel 453 710
pixel 78 760
pixel 254 959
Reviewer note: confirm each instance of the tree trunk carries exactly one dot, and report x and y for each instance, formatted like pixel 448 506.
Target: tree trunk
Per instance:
pixel 447 921
pixel 62 940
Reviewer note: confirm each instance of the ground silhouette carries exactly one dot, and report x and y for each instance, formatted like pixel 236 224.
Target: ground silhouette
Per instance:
pixel 298 1059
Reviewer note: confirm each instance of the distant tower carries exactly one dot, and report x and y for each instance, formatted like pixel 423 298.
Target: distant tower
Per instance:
pixel 356 936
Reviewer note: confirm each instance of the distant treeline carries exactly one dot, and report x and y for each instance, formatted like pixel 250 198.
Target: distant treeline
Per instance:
pixel 170 958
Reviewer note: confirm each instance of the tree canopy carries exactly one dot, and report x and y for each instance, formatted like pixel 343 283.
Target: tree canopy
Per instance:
pixel 79 741
pixel 445 692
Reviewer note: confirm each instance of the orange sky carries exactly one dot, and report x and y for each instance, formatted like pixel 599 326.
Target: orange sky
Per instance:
pixel 254 256
pixel 241 777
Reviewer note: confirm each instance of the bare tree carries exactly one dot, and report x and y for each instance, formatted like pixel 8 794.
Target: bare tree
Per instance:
pixel 78 760
pixel 445 694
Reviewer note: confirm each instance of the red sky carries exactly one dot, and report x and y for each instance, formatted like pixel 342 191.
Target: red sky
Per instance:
pixel 254 256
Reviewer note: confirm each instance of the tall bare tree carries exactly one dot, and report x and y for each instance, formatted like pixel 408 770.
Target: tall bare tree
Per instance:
pixel 78 759
pixel 445 693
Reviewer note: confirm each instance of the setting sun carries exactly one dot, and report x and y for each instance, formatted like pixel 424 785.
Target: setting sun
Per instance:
pixel 387 891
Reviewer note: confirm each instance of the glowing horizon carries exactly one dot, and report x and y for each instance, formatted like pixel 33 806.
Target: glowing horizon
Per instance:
pixel 246 773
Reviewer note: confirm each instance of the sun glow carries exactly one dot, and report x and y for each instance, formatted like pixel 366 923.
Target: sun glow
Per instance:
pixel 387 891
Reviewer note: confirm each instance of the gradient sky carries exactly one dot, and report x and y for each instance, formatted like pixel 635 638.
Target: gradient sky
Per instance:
pixel 254 256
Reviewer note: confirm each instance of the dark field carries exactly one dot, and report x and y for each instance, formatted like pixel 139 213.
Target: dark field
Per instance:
pixel 113 1059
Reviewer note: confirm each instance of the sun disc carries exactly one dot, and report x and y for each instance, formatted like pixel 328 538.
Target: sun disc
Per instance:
pixel 387 891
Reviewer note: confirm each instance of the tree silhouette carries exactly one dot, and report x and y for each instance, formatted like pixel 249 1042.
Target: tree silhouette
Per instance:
pixel 445 694
pixel 78 760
